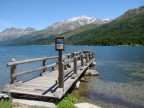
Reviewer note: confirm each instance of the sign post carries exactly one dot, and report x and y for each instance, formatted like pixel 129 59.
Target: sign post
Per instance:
pixel 59 46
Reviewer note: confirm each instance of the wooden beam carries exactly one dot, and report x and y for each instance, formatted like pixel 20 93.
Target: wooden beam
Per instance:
pixel 29 60
pixel 30 71
pixel 13 71
pixel 75 65
pixel 44 64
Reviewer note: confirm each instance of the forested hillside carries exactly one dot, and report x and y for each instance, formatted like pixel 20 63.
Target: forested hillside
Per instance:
pixel 128 29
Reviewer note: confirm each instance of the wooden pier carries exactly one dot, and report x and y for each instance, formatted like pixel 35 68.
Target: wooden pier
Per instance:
pixel 48 84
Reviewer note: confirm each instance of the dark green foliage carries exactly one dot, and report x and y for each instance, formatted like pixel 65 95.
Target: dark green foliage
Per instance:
pixel 41 41
pixel 36 41
pixel 126 30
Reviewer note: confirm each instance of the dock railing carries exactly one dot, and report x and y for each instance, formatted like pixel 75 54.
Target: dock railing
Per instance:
pixel 83 56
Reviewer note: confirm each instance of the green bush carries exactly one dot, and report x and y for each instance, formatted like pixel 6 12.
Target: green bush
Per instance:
pixel 72 99
pixel 68 102
pixel 65 104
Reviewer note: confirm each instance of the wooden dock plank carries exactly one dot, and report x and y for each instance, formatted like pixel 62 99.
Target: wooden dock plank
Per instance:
pixel 46 86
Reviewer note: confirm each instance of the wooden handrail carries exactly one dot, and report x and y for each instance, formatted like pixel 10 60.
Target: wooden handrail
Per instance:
pixel 34 60
pixel 68 61
pixel 30 71
pixel 29 60
pixel 88 55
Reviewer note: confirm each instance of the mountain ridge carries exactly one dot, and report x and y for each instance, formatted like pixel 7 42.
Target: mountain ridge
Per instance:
pixel 127 29
pixel 75 22
pixel 124 30
pixel 13 33
pixel 58 28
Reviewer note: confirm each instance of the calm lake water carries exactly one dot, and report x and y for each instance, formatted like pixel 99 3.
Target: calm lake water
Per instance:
pixel 121 80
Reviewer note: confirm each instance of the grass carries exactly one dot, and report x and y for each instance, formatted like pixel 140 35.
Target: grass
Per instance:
pixel 6 104
pixel 68 102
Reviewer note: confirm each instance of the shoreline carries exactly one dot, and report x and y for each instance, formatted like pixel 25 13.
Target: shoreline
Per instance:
pixel 81 92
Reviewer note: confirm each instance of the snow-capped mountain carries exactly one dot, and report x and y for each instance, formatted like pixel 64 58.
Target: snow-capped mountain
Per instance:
pixel 11 34
pixel 76 22
pixel 83 20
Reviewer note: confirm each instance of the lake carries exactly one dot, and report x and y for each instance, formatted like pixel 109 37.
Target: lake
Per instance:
pixel 121 69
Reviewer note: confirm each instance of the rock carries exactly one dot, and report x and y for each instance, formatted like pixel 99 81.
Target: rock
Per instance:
pixel 91 72
pixel 21 103
pixel 94 63
pixel 77 85
pixel 82 80
pixel 86 105
pixel 4 97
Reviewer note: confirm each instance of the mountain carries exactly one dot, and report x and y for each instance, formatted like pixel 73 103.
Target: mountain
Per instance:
pixel 76 22
pixel 13 33
pixel 131 13
pixel 127 29
pixel 56 29
pixel 47 38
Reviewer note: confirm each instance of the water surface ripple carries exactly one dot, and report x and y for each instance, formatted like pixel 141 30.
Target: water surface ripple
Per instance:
pixel 121 80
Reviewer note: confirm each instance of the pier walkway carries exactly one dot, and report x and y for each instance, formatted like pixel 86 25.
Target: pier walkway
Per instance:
pixel 47 85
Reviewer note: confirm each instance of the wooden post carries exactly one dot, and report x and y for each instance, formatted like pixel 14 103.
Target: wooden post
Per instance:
pixel 92 55
pixel 82 63
pixel 68 65
pixel 89 56
pixel 44 63
pixel 79 54
pixel 13 71
pixel 68 56
pixel 75 65
pixel 61 71
pixel 65 67
pixel 86 57
pixel 72 55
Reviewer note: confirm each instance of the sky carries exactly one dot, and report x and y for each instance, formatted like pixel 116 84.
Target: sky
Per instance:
pixel 42 13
